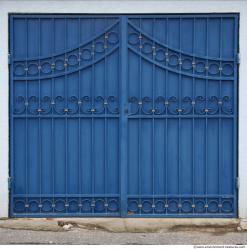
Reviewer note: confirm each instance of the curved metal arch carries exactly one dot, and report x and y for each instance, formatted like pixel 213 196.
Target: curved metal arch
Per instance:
pixel 70 49
pixel 50 76
pixel 176 71
pixel 154 40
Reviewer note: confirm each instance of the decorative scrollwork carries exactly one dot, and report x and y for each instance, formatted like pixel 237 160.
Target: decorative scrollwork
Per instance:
pixel 46 105
pixel 227 105
pixel 141 42
pixel 198 106
pixel 66 106
pixel 71 60
pixel 112 105
pixel 20 105
pixel 187 105
pixel 172 107
pixel 33 105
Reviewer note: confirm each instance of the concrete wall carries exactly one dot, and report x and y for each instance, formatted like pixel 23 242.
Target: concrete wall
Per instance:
pixel 121 6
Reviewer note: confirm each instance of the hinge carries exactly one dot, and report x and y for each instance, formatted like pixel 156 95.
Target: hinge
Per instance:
pixel 9 182
pixel 237 183
pixel 9 58
pixel 238 58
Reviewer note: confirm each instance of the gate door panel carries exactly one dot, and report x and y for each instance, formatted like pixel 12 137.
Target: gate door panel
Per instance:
pixel 182 119
pixel 123 115
pixel 65 115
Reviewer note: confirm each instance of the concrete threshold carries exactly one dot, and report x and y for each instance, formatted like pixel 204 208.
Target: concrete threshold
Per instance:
pixel 132 225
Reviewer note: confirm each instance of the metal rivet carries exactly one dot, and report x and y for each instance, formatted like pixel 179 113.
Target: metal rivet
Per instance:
pixel 93 110
pixel 193 205
pixel 105 103
pixel 166 53
pixel 166 102
pixel 139 205
pixel 220 68
pixel 26 69
pixel 39 67
pixel 79 53
pixel 65 65
pixel 180 110
pixel 193 102
pixel 40 205
pixel 39 110
pixel 206 110
pixel 105 47
pixel 66 205
pixel 52 102
pixel 139 103
pixel 93 45
pixel 167 60
pixel 220 205
pixel 206 206
pixel 93 205
pixel 79 102
pixel 180 205
pixel 26 103
pixel 26 205
pixel 140 36
pixel 166 205
pixel 53 205
pixel 79 205
pixel 153 110
pixel 153 205
pixel 106 204
pixel 78 59
pixel 206 67
pixel 140 46
pixel 220 102
pixel 193 63
pixel 66 109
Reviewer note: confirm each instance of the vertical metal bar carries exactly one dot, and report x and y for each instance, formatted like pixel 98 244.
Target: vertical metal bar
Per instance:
pixel 193 120
pixel 26 119
pixel 140 121
pixel 39 119
pixel 235 118
pixel 220 121
pixel 153 119
pixel 166 125
pixel 123 115
pixel 79 119
pixel 66 118
pixel 105 113
pixel 92 124
pixel 206 125
pixel 52 121
pixel 179 118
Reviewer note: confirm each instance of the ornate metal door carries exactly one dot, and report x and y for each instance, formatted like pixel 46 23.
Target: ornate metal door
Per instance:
pixel 123 115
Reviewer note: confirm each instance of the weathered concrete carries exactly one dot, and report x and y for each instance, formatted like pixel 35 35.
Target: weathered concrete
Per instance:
pixel 95 237
pixel 119 225
pixel 122 231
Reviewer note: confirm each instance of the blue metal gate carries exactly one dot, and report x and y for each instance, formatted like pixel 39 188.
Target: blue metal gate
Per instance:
pixel 123 115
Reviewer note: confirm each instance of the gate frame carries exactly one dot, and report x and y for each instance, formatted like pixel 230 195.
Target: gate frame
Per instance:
pixel 121 7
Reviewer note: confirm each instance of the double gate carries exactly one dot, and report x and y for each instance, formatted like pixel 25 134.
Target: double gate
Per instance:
pixel 123 115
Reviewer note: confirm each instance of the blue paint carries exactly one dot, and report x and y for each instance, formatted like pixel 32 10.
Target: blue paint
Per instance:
pixel 117 115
